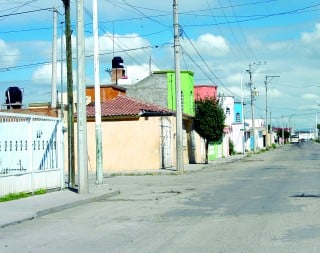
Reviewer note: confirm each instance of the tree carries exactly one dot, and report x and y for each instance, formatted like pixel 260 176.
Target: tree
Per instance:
pixel 286 134
pixel 209 120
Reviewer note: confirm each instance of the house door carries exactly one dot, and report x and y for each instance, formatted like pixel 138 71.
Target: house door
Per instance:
pixel 166 152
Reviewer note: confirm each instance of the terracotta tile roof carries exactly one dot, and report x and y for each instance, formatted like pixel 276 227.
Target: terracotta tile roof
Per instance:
pixel 125 106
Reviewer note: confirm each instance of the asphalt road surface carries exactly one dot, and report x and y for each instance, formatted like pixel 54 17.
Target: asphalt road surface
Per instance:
pixel 268 202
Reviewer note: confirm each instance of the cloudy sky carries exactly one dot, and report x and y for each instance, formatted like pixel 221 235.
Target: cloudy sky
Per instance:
pixel 220 40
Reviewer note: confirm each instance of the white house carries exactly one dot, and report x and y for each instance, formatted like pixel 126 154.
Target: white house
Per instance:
pixel 259 133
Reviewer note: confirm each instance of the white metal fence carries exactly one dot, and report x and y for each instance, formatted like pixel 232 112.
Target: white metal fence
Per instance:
pixel 31 153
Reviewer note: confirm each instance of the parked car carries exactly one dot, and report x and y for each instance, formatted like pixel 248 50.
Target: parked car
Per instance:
pixel 294 139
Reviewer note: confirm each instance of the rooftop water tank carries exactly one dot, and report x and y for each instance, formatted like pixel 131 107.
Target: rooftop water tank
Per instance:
pixel 14 98
pixel 117 62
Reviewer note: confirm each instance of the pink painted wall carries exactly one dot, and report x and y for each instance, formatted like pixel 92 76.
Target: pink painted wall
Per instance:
pixel 203 91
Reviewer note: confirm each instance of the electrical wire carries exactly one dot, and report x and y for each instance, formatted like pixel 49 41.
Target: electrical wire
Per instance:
pixel 258 17
pixel 210 70
pixel 31 65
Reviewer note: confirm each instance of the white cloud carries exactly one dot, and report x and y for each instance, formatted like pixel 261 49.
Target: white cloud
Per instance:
pixel 208 45
pixel 245 93
pixel 279 46
pixel 311 37
pixel 310 96
pixel 130 47
pixel 8 55
pixel 135 73
pixel 274 93
pixel 310 42
pixel 42 75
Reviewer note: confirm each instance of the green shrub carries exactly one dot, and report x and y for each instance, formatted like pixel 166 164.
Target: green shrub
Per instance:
pixel 231 147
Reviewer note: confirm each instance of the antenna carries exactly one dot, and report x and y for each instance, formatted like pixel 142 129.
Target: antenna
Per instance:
pixel 112 39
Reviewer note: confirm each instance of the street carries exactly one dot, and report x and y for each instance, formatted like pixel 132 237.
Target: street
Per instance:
pixel 268 202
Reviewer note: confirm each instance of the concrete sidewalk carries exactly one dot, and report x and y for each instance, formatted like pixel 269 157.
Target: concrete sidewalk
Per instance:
pixel 17 211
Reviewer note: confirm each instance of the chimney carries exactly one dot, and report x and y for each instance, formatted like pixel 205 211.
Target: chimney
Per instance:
pixel 118 70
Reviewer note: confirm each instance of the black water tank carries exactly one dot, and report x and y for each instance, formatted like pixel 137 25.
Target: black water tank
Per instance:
pixel 117 62
pixel 14 96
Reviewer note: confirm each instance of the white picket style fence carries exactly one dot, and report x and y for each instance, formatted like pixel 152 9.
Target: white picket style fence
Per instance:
pixel 31 153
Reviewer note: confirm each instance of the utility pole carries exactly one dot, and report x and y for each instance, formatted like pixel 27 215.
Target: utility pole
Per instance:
pixel 61 74
pixel 54 61
pixel 252 108
pixel 266 85
pixel 179 140
pixel 81 104
pixel 71 163
pixel 253 94
pixel 282 130
pixel 270 129
pixel 316 132
pixel 97 104
pixel 242 117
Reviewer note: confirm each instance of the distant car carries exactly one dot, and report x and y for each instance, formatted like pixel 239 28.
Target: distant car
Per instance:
pixel 294 139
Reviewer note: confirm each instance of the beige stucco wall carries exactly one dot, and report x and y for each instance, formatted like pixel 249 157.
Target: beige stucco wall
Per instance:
pixel 134 145
pixel 198 148
pixel 127 145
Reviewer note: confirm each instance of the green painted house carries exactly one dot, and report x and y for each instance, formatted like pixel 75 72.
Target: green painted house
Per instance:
pixel 159 89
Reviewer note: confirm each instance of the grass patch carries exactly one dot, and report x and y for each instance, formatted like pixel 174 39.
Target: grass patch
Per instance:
pixel 40 192
pixel 21 195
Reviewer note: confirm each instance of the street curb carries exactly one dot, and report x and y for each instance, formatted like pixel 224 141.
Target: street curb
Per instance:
pixel 75 204
pixel 62 207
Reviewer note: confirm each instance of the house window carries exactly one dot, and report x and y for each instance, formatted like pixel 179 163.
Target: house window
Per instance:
pixel 227 111
pixel 238 117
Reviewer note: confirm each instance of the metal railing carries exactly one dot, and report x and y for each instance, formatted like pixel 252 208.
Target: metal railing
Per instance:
pixel 29 145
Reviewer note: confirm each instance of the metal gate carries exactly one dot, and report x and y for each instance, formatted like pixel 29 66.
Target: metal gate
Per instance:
pixel 31 153
pixel 166 147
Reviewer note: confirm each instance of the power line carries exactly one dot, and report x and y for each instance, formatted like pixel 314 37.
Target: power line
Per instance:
pixel 205 63
pixel 264 16
pixel 143 14
pixel 242 33
pixel 30 65
pixel 24 12
pixel 26 30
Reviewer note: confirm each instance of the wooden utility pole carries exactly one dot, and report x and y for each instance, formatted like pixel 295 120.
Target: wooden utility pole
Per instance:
pixel 71 164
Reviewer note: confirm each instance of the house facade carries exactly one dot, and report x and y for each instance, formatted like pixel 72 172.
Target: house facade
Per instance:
pixel 205 91
pixel 239 135
pixel 259 134
pixel 219 148
pixel 136 136
pixel 159 89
